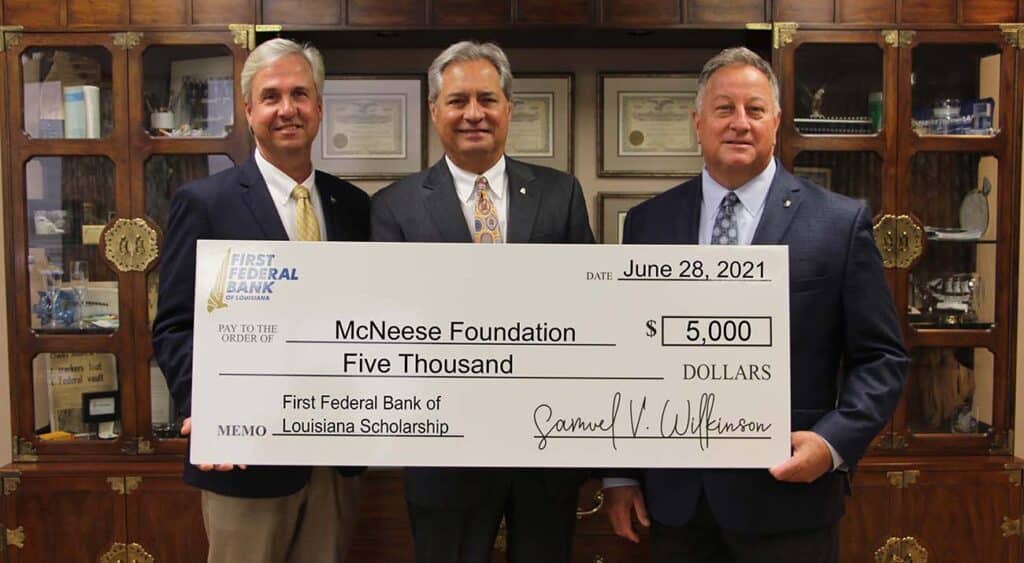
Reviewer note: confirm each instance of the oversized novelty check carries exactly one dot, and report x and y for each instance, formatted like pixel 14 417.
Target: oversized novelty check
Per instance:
pixel 490 355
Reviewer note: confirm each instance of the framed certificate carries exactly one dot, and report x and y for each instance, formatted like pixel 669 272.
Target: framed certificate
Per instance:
pixel 646 126
pixel 612 207
pixel 373 127
pixel 542 117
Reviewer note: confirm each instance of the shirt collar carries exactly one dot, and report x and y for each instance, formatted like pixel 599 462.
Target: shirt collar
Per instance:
pixel 279 183
pixel 465 181
pixel 752 195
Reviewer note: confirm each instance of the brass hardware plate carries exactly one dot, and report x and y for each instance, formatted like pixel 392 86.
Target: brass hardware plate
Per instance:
pixel 895 478
pixel 16 537
pixel 1012 34
pixel 891 37
pixel 127 40
pixel 598 504
pixel 885 239
pixel 12 30
pixel 782 33
pixel 909 241
pixel 759 26
pixel 1010 527
pixel 901 550
pixel 130 245
pixel 910 477
pixel 116 484
pixel 11 485
pixel 906 38
pixel 145 448
pixel 132 483
pixel 268 28
pixel 24 450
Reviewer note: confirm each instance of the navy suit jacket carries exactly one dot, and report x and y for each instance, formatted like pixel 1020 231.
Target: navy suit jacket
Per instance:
pixel 847 359
pixel 545 206
pixel 233 205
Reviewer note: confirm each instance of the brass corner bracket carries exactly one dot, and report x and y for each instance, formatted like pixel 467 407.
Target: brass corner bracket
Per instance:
pixel 131 483
pixel 782 33
pixel 16 537
pixel 11 485
pixel 891 37
pixel 24 450
pixel 127 40
pixel 1010 527
pixel 244 34
pixel 1012 33
pixel 117 484
pixel 10 36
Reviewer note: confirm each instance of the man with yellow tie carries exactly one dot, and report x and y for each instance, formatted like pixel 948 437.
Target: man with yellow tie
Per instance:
pixel 477 194
pixel 262 514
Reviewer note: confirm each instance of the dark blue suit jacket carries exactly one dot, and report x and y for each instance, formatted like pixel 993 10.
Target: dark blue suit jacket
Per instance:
pixel 847 362
pixel 545 206
pixel 233 205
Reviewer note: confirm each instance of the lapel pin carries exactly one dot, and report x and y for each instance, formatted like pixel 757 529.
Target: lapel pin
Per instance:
pixel 332 200
pixel 522 190
pixel 787 203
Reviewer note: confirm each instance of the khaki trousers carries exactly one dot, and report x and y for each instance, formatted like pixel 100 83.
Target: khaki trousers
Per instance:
pixel 314 525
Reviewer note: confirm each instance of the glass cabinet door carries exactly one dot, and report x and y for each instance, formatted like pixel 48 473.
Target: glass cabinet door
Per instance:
pixel 69 181
pixel 188 123
pixel 954 177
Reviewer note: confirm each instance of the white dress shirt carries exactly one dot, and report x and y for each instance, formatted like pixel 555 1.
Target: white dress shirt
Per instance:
pixel 281 186
pixel 465 188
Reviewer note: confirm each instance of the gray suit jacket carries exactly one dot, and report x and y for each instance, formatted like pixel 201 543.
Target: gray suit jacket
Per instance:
pixel 545 206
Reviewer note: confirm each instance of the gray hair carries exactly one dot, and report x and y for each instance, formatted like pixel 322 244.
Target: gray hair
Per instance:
pixel 465 51
pixel 737 56
pixel 268 52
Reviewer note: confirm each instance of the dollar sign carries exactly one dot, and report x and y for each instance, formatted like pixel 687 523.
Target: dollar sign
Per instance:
pixel 651 330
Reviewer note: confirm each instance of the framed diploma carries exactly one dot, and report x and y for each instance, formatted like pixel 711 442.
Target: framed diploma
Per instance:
pixel 373 127
pixel 541 128
pixel 646 126
pixel 612 207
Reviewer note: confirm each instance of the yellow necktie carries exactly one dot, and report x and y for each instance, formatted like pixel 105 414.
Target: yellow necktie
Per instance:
pixel 486 227
pixel 306 225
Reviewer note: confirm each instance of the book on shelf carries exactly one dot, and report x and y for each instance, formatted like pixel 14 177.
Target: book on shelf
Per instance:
pixel 51 110
pixel 82 112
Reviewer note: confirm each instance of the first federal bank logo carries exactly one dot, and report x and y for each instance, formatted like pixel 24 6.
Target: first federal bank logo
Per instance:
pixel 247 276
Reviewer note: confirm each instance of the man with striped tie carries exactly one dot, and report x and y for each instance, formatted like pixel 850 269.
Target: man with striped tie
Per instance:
pixel 477 194
pixel 262 514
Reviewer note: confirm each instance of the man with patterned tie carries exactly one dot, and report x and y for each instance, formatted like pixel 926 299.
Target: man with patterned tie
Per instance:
pixel 847 363
pixel 477 194
pixel 262 514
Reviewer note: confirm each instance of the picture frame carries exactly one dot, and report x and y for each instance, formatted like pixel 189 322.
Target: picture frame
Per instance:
pixel 541 130
pixel 645 126
pixel 373 127
pixel 612 208
pixel 820 176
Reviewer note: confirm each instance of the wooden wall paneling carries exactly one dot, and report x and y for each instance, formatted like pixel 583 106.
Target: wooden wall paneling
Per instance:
pixel 556 12
pixel 66 518
pixel 225 11
pixel 31 13
pixel 652 12
pixel 374 13
pixel 988 11
pixel 725 11
pixel 85 13
pixel 928 11
pixel 326 12
pixel 472 12
pixel 160 12
pixel 163 503
pixel 867 11
pixel 869 516
pixel 804 11
pixel 956 515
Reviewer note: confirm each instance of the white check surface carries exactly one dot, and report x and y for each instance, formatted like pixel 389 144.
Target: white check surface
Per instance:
pixel 490 355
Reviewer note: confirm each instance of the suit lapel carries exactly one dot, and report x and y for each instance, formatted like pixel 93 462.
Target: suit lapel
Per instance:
pixel 687 223
pixel 443 204
pixel 257 198
pixel 779 208
pixel 523 202
pixel 334 228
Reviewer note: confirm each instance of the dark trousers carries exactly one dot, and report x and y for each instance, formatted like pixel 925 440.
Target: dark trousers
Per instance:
pixel 701 540
pixel 539 526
